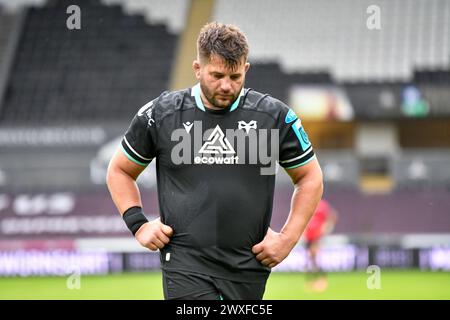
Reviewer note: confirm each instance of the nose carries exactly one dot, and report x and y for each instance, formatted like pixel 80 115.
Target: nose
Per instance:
pixel 225 85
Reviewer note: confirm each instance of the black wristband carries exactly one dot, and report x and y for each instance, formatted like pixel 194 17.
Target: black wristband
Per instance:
pixel 134 218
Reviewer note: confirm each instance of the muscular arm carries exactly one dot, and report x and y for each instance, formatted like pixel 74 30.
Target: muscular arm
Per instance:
pixel 308 189
pixel 121 181
pixel 308 184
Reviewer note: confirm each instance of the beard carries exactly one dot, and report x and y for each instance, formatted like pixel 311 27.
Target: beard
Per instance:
pixel 219 103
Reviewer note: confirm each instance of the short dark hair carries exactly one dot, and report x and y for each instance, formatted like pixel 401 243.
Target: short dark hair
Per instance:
pixel 224 40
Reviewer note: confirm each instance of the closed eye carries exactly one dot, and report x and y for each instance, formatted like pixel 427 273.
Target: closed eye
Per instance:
pixel 218 75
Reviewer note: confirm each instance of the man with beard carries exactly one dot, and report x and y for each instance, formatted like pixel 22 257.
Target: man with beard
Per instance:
pixel 215 199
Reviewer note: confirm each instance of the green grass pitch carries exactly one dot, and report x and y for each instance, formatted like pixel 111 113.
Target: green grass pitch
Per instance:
pixel 409 284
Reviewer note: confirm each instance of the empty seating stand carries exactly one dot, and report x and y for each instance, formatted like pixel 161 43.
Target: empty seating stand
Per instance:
pixel 306 35
pixel 105 71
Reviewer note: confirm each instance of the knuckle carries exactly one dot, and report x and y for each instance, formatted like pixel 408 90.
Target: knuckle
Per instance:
pixel 147 244
pixel 150 241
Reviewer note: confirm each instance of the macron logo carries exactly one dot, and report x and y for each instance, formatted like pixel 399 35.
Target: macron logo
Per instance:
pixel 188 126
pixel 217 143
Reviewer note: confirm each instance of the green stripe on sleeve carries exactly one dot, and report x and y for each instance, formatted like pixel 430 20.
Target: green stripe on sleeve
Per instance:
pixel 131 158
pixel 301 164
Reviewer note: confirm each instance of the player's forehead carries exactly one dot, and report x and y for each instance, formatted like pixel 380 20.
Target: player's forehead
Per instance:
pixel 219 65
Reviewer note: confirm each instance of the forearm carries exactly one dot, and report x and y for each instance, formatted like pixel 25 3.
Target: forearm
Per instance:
pixel 305 198
pixel 123 189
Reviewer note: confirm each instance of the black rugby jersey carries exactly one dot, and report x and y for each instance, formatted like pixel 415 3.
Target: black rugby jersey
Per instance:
pixel 216 176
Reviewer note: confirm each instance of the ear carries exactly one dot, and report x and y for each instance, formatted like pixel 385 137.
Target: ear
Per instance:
pixel 247 66
pixel 196 66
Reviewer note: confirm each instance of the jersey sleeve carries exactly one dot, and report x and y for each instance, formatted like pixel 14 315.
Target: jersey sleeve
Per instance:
pixel 295 148
pixel 139 141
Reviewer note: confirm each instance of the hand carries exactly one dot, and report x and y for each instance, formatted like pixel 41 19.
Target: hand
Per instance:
pixel 154 234
pixel 274 248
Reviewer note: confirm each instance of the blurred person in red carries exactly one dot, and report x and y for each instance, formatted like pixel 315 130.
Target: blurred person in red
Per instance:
pixel 321 224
